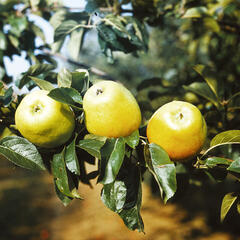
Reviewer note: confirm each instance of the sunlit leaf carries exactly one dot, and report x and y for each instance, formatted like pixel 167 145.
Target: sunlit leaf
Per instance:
pixel 21 152
pixel 235 166
pixel 196 12
pixel 43 84
pixel 64 78
pixel 227 203
pixel 214 161
pixel 231 136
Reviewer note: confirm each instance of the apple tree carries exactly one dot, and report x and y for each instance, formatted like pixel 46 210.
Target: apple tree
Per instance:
pixel 186 50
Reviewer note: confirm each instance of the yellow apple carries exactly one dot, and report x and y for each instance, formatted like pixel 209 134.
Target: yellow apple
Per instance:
pixel 44 121
pixel 110 110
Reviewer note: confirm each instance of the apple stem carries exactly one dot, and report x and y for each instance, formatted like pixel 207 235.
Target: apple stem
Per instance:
pixel 99 90
pixel 37 108
pixel 181 116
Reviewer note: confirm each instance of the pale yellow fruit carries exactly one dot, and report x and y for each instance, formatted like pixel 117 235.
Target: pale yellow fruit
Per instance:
pixel 110 110
pixel 44 121
pixel 179 128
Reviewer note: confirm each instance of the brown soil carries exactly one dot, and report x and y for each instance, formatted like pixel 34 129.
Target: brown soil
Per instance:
pixel 30 210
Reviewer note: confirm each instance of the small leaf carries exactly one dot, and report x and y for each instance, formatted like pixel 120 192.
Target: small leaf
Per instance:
pixel 114 161
pixel 80 80
pixel 231 136
pixel 3 41
pixel 66 95
pixel 132 140
pixel 63 179
pixel 71 158
pixel 214 161
pixel 163 169
pixel 64 78
pixel 7 98
pixel 227 203
pixel 92 146
pixel 44 85
pixel 196 12
pixel 65 199
pixel 21 152
pixel 235 166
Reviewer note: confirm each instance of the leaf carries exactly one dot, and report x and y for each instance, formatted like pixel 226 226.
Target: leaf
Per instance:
pixel 124 196
pixel 71 158
pixel 63 179
pixel 64 199
pixel 64 78
pixel 132 140
pixel 114 161
pixel 208 76
pixel 226 137
pixel 203 90
pixel 66 95
pixel 163 169
pixel 196 12
pixel 64 29
pixel 44 85
pixel 3 41
pixel 227 203
pixel 21 152
pixel 92 146
pixel 212 162
pixel 7 98
pixel 80 80
pixel 235 166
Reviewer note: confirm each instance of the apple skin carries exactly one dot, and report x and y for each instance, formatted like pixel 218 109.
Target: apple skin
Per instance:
pixel 111 110
pixel 179 128
pixel 44 121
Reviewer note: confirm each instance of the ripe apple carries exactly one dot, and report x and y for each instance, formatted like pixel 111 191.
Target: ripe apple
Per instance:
pixel 110 110
pixel 44 121
pixel 179 128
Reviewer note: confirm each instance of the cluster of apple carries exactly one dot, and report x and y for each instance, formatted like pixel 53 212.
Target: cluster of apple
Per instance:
pixel 111 110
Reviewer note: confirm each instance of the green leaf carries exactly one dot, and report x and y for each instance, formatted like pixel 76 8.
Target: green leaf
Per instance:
pixel 63 179
pixel 66 95
pixel 43 84
pixel 212 162
pixel 80 80
pixel 64 199
pixel 64 29
pixel 227 203
pixel 21 152
pixel 203 90
pixel 226 137
pixel 6 99
pixel 17 24
pixel 235 166
pixel 71 158
pixel 114 161
pixel 163 169
pixel 35 70
pixel 124 196
pixel 3 41
pixel 92 146
pixel 132 140
pixel 196 12
pixel 208 76
pixel 64 78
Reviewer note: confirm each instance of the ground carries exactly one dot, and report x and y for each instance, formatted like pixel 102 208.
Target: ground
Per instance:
pixel 30 210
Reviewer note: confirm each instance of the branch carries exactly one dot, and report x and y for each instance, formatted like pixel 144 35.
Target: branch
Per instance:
pixel 94 70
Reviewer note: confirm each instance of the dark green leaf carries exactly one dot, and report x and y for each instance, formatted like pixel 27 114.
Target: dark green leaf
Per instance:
pixel 227 203
pixel 64 29
pixel 7 98
pixel 114 161
pixel 21 152
pixel 44 85
pixel 203 90
pixel 65 199
pixel 62 177
pixel 92 146
pixel 64 78
pixel 71 158
pixel 66 95
pixel 132 140
pixel 80 80
pixel 214 161
pixel 18 24
pixel 163 169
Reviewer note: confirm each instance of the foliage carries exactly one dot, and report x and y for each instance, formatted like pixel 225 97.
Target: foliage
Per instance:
pixel 184 46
